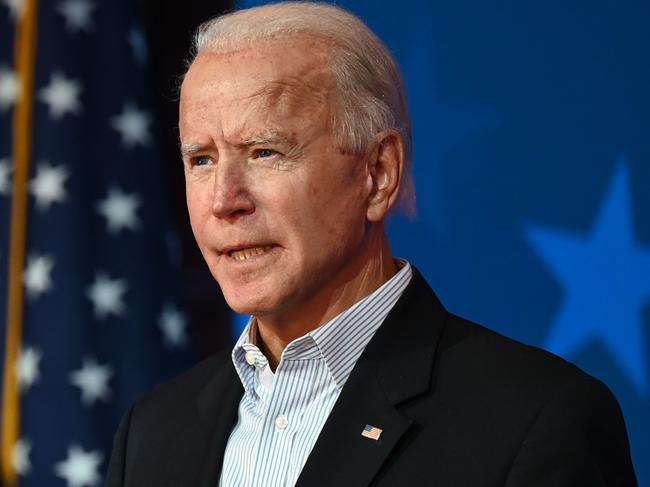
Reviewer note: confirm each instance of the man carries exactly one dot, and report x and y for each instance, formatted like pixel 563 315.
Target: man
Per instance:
pixel 296 141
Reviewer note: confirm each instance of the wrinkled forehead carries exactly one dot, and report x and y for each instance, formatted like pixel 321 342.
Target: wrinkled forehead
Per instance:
pixel 283 86
pixel 295 70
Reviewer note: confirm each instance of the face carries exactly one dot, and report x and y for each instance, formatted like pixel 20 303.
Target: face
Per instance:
pixel 278 210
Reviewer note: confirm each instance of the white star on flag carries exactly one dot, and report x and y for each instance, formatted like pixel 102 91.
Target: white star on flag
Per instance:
pixel 9 88
pixel 36 277
pixel 106 295
pixel 16 7
pixel 28 367
pixel 119 209
pixel 77 14
pixel 47 186
pixel 92 378
pixel 20 456
pixel 173 325
pixel 5 177
pixel 61 96
pixel 133 126
pixel 80 468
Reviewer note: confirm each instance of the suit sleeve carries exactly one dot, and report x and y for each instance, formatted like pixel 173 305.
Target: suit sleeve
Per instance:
pixel 578 438
pixel 117 464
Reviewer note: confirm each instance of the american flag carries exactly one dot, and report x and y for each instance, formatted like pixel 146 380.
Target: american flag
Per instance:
pixel 371 432
pixel 101 319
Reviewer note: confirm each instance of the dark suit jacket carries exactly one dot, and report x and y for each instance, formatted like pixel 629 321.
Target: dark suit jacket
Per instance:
pixel 459 405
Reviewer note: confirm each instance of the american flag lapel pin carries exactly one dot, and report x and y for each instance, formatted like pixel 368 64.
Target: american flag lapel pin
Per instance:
pixel 371 432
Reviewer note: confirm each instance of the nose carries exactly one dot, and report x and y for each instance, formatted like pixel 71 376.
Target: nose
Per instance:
pixel 232 198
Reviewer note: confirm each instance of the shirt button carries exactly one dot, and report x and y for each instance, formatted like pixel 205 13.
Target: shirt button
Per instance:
pixel 250 358
pixel 281 422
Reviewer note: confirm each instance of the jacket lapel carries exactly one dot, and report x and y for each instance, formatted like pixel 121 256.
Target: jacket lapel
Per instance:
pixel 395 367
pixel 216 414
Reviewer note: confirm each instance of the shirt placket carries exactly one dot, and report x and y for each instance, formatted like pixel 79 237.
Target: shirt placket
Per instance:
pixel 279 427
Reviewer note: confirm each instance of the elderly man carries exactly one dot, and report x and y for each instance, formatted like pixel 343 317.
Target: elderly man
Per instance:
pixel 296 141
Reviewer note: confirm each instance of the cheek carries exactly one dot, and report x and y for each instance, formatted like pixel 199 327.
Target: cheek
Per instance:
pixel 331 216
pixel 193 212
pixel 199 210
pixel 338 200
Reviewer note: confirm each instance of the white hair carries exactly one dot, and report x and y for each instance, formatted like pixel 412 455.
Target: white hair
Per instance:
pixel 370 90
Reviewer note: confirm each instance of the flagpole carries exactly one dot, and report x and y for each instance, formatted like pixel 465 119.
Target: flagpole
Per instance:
pixel 25 61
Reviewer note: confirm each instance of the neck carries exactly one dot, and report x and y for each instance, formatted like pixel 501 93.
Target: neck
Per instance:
pixel 366 273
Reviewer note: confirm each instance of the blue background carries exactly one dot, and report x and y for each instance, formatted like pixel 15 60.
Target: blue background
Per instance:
pixel 532 166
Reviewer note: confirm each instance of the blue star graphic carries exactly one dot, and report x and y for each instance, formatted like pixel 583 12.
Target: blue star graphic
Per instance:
pixel 606 278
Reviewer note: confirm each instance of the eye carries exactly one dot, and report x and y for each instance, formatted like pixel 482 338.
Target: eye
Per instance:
pixel 262 153
pixel 200 161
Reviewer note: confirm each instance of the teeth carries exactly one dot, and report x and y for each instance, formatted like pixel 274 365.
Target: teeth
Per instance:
pixel 247 253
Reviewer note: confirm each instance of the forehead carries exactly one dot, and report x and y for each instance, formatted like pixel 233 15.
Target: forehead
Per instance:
pixel 288 74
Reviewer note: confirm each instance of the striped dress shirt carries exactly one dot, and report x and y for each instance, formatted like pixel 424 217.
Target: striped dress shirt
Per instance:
pixel 281 414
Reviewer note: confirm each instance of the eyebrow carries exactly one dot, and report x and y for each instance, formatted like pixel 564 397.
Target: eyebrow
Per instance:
pixel 192 148
pixel 270 137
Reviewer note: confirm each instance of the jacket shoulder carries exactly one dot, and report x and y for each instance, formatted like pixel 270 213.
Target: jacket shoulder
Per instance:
pixel 483 355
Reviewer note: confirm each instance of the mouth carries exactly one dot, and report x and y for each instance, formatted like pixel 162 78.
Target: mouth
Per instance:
pixel 242 254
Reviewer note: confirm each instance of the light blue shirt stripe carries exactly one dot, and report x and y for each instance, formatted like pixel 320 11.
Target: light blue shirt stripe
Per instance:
pixel 281 414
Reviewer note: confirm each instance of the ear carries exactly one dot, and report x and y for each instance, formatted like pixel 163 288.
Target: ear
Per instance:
pixel 385 169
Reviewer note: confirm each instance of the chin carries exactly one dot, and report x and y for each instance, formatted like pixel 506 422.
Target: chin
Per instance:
pixel 246 304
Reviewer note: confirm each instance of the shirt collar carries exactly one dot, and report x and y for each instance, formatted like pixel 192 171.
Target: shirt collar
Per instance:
pixel 339 342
